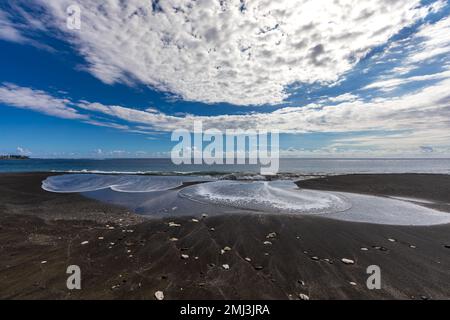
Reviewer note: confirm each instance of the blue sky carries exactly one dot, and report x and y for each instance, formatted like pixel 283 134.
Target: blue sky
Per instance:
pixel 358 79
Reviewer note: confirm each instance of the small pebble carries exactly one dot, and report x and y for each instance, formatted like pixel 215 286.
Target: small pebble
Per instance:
pixel 248 259
pixel 364 249
pixel 353 283
pixel 380 248
pixel 271 235
pixel 195 220
pixel 173 224
pixel 303 296
pixel 226 266
pixel 348 261
pixel 84 242
pixel 184 256
pixel 392 240
pixel 267 243
pixel 159 295
pixel 173 239
pixel 100 238
pixel 44 262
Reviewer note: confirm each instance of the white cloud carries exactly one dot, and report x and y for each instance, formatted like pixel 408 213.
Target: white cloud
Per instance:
pixel 8 31
pixel 431 42
pixel 435 41
pixel 37 100
pixel 424 109
pixel 23 151
pixel 388 85
pixel 240 52
pixel 408 123
pixel 421 118
pixel 344 97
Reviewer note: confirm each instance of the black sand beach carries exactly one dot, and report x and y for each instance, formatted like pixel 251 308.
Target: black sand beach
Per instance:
pixel 128 257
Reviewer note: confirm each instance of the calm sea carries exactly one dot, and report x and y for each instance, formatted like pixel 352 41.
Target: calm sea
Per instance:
pixel 295 166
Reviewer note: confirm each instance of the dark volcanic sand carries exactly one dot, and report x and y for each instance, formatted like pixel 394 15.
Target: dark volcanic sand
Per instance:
pixel 39 226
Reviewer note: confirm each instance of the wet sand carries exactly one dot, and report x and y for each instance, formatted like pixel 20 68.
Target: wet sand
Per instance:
pixel 135 257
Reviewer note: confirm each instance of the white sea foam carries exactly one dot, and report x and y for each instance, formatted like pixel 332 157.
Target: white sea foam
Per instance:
pixel 121 183
pixel 282 197
pixel 274 196
pixel 285 197
pixel 382 210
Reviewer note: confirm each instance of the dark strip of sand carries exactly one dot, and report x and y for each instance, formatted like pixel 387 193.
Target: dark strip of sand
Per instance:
pixel 129 259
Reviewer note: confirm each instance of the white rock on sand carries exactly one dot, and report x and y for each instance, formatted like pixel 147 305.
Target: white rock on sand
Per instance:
pixel 303 296
pixel 173 224
pixel 184 256
pixel 226 266
pixel 348 261
pixel 84 242
pixel 271 235
pixel 159 295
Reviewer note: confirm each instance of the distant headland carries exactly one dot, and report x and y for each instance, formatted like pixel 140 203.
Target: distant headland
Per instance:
pixel 13 157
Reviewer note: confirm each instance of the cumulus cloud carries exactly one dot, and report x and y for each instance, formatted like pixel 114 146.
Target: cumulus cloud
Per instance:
pixel 238 51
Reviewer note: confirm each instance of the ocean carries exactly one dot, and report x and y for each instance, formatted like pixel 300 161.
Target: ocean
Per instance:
pixel 287 166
